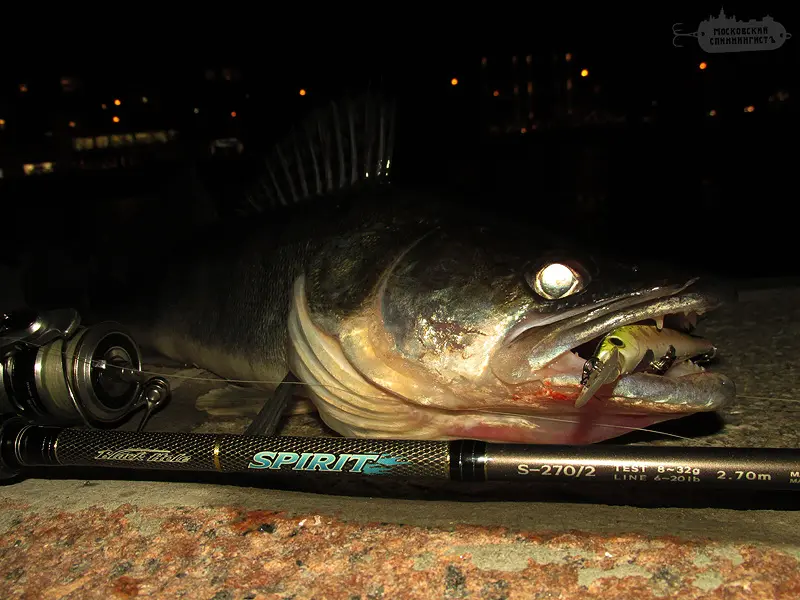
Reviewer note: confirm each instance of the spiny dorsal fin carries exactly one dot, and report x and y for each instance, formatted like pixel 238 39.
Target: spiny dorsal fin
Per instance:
pixel 340 145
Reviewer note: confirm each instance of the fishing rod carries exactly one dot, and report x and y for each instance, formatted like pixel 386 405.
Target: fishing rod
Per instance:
pixel 24 446
pixel 63 387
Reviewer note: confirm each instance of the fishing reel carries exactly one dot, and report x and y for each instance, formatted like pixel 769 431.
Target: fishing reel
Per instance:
pixel 53 371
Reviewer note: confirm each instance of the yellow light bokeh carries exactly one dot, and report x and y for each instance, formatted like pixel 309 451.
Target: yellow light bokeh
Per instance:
pixel 703 66
pixel 495 93
pixel 115 119
pixel 117 102
pixel 585 73
pixel 454 81
pixel 749 109
pixel 72 123
pixel 302 92
pixel 233 114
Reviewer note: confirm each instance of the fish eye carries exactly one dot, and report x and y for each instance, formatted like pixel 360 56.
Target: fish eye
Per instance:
pixel 556 280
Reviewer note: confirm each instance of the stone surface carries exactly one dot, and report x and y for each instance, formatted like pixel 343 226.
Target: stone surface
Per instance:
pixel 104 534
pixel 153 551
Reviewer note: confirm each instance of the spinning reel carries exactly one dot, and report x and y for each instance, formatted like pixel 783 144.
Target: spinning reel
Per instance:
pixel 53 371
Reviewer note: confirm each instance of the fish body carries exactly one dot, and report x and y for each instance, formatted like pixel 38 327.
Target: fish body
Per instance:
pixel 409 318
pixel 411 313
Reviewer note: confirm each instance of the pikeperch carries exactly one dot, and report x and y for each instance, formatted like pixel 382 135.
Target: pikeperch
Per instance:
pixel 411 316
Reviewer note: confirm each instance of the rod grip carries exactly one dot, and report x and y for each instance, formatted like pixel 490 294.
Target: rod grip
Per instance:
pixel 29 446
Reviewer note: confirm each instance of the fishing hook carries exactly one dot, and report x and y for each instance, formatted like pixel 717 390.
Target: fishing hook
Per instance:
pixel 678 34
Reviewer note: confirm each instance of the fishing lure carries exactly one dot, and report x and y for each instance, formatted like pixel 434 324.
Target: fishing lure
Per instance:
pixel 632 347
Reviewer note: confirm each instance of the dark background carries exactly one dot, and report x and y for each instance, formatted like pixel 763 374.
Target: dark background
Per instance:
pixel 630 158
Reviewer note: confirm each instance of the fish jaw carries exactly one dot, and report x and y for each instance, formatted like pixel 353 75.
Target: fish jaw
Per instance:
pixel 548 357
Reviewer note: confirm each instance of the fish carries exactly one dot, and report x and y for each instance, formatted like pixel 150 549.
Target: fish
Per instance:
pixel 407 313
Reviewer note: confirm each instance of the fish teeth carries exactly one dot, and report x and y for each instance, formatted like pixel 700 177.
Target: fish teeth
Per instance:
pixel 660 322
pixel 692 318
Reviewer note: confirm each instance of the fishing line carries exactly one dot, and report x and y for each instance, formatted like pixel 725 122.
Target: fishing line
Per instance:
pixel 768 398
pixel 627 427
pixel 78 359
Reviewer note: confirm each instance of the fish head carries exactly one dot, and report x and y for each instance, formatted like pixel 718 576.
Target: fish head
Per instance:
pixel 486 335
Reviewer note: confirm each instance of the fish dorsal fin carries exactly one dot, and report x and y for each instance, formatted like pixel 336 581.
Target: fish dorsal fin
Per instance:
pixel 341 145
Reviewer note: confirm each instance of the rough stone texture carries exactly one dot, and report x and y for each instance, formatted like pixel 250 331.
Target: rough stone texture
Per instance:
pixel 106 534
pixel 129 552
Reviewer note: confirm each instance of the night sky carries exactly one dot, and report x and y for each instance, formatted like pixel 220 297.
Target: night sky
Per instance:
pixel 629 53
pixel 630 48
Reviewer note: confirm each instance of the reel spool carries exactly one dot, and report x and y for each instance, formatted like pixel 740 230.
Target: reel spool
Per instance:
pixel 55 371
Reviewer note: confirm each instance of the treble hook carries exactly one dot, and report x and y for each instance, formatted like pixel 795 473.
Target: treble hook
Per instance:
pixel 588 367
pixel 663 364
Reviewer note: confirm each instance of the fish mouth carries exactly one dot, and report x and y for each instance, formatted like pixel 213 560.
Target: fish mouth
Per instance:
pixel 555 354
